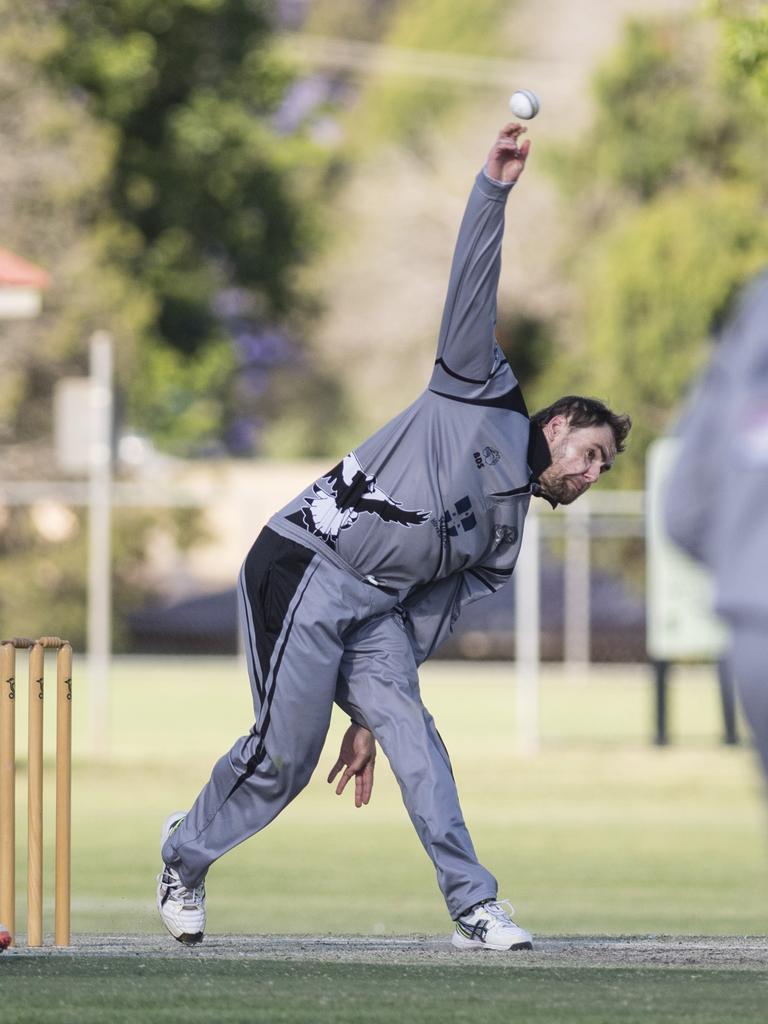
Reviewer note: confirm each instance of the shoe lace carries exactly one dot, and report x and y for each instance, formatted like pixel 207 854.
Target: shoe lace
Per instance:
pixel 502 910
pixel 171 880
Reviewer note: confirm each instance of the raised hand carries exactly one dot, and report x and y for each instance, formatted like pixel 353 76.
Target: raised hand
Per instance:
pixel 507 157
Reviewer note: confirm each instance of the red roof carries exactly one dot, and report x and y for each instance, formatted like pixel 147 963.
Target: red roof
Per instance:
pixel 16 271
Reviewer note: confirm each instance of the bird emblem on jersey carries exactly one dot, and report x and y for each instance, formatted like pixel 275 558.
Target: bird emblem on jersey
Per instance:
pixel 325 514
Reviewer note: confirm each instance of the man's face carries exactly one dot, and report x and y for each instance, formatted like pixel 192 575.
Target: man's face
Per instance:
pixel 579 456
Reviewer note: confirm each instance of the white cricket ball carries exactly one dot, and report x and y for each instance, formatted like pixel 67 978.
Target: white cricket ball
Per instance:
pixel 524 103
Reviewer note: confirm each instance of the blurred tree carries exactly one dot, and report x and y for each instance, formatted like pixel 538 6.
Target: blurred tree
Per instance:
pixel 656 285
pixel 667 195
pixel 350 19
pixel 745 52
pixel 216 200
pixel 43 553
pixel 54 175
pixel 661 116
pixel 142 168
pixel 404 109
pixel 188 192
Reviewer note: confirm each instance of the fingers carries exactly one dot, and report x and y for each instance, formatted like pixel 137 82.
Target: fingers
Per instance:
pixel 361 772
pixel 353 770
pixel 356 758
pixel 336 769
pixel 366 783
pixel 346 776
pixel 505 145
pixel 364 786
pixel 512 130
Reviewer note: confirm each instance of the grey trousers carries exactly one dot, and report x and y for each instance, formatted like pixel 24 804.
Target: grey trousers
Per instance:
pixel 749 663
pixel 310 627
pixel 379 677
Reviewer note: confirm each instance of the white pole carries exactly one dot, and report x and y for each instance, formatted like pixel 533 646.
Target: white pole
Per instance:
pixel 99 539
pixel 576 584
pixel 527 641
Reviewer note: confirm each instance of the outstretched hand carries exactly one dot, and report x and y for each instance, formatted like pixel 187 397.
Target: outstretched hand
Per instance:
pixel 507 157
pixel 358 753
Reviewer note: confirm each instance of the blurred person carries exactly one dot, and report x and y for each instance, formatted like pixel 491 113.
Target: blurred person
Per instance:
pixel 713 506
pixel 357 580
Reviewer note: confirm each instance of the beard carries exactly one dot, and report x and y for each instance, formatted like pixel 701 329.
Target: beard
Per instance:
pixel 559 486
pixel 563 489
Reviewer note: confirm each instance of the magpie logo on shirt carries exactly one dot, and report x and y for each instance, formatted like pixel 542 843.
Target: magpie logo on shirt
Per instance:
pixel 461 517
pixel 325 514
pixel 487 457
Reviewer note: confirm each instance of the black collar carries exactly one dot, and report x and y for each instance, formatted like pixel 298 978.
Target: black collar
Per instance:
pixel 539 457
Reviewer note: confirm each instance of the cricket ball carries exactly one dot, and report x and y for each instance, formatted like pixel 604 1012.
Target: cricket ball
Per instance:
pixel 524 103
pixel 5 938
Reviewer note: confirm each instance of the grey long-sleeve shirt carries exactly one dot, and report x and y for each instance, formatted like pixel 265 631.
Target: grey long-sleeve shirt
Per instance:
pixel 719 485
pixel 433 504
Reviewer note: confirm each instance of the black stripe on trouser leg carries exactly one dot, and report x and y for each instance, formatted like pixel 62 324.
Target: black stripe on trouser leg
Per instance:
pixel 258 755
pixel 272 573
pixel 251 654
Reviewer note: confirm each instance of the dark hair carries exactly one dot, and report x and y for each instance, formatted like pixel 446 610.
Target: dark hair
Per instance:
pixel 587 412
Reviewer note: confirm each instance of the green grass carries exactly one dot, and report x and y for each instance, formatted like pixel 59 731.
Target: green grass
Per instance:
pixel 599 833
pixel 92 990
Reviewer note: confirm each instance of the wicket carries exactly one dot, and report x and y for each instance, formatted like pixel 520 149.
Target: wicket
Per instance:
pixel 37 650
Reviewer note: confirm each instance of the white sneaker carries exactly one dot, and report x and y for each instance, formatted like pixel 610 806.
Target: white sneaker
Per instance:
pixel 181 909
pixel 489 925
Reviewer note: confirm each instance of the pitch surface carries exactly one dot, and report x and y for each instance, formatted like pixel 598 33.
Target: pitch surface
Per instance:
pixel 722 952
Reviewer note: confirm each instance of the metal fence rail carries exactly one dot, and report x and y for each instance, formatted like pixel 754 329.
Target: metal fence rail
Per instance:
pixel 567 538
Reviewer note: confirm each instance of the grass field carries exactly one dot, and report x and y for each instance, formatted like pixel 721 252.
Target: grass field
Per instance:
pixel 123 990
pixel 597 834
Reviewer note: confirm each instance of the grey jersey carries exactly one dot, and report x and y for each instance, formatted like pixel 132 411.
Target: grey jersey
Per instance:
pixel 720 480
pixel 433 504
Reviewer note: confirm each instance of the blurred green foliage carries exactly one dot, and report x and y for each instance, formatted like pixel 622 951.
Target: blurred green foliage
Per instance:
pixel 144 172
pixel 43 586
pixel 745 30
pixel 54 211
pixel 667 194
pixel 159 181
pixel 190 87
pixel 364 20
pixel 403 109
pixel 660 118
pixel 660 281
pixel 149 177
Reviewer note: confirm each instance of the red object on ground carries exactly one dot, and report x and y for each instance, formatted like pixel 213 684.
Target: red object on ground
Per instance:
pixel 5 938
